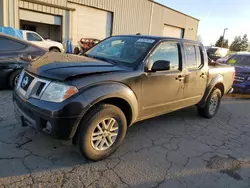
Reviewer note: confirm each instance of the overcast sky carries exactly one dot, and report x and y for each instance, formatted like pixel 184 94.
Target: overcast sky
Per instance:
pixel 215 15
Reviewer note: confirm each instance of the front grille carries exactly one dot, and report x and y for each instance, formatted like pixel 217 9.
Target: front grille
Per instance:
pixel 239 79
pixel 31 86
pixel 26 81
pixel 40 88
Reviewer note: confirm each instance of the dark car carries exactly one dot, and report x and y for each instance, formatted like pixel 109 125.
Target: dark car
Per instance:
pixel 241 62
pixel 93 99
pixel 15 54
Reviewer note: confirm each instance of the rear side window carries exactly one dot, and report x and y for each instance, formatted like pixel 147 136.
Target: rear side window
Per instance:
pixel 194 56
pixel 7 44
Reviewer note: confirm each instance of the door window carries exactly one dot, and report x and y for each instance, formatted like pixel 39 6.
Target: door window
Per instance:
pixel 193 56
pixel 167 52
pixel 7 44
pixel 33 37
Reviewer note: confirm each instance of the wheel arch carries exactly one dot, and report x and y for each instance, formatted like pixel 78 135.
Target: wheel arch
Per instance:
pixel 54 47
pixel 115 94
pixel 216 82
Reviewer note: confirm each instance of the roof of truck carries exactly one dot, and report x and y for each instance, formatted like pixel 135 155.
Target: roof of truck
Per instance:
pixel 159 38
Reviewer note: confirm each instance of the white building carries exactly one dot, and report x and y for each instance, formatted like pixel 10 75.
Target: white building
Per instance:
pixel 73 19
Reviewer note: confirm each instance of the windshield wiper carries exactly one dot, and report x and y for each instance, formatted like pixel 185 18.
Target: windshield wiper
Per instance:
pixel 103 59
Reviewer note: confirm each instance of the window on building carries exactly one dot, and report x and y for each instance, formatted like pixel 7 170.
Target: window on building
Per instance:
pixel 7 44
pixel 168 52
pixel 33 37
pixel 194 57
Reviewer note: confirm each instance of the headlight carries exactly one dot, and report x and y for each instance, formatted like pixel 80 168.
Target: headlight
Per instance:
pixel 248 79
pixel 56 92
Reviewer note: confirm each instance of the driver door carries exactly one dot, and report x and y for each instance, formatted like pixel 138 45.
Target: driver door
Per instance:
pixel 161 90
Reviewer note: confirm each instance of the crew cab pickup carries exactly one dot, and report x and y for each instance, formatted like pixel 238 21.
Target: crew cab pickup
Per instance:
pixel 36 39
pixel 93 99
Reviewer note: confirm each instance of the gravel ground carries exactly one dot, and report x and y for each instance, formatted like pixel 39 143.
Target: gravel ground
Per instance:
pixel 175 150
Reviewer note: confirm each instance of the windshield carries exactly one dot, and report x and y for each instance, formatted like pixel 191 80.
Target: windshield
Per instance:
pixel 239 60
pixel 126 51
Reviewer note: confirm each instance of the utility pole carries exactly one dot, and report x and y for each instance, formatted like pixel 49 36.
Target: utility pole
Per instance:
pixel 223 37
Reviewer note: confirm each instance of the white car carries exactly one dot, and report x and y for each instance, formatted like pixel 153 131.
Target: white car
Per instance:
pixel 36 39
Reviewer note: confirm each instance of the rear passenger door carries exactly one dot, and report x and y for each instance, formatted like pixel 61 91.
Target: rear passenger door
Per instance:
pixel 196 74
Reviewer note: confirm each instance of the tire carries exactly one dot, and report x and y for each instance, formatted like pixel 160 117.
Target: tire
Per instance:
pixel 77 51
pixel 13 79
pixel 95 150
pixel 54 50
pixel 211 107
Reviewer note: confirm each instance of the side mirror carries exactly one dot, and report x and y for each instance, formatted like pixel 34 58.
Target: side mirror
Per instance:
pixel 160 65
pixel 26 58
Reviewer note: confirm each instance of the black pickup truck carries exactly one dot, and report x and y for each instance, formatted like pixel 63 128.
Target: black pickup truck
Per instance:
pixel 93 99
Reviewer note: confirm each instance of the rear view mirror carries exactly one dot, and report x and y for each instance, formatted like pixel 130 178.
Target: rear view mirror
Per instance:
pixel 161 65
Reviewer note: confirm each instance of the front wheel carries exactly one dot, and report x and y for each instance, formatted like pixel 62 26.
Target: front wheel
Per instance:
pixel 102 132
pixel 212 104
pixel 54 50
pixel 13 79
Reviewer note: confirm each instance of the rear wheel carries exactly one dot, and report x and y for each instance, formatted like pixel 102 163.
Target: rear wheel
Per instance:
pixel 212 104
pixel 102 132
pixel 13 79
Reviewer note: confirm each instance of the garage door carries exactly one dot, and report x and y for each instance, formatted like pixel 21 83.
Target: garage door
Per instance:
pixel 46 25
pixel 170 31
pixel 90 23
pixel 39 17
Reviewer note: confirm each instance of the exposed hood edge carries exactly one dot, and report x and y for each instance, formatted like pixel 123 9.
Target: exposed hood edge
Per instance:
pixel 88 74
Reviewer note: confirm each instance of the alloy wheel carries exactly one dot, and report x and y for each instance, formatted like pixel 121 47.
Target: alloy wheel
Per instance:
pixel 213 104
pixel 16 79
pixel 104 134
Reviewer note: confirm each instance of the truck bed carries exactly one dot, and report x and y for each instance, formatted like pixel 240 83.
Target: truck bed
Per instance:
pixel 226 71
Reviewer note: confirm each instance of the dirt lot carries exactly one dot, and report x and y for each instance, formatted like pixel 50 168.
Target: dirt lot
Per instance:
pixel 176 150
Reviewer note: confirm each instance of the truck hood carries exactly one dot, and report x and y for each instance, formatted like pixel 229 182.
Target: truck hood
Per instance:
pixel 61 67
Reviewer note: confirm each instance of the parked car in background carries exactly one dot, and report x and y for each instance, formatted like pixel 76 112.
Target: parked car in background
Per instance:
pixel 34 38
pixel 94 98
pixel 224 59
pixel 214 53
pixel 241 62
pixel 84 44
pixel 15 55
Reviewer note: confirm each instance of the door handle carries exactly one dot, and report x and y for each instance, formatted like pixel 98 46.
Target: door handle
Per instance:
pixel 202 75
pixel 180 78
